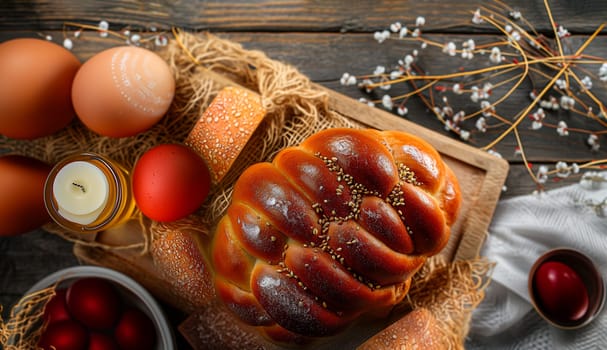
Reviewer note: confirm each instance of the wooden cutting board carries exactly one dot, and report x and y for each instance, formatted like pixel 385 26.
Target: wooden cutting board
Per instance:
pixel 480 174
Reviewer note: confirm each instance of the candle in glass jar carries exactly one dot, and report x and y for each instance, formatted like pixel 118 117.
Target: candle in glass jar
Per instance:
pixel 89 193
pixel 81 191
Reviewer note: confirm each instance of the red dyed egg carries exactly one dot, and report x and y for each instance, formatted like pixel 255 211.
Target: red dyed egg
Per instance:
pixel 102 341
pixel 135 331
pixel 561 292
pixel 64 335
pixel 94 302
pixel 170 181
pixel 56 308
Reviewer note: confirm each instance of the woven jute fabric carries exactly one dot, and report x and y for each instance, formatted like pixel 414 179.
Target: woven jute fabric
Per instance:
pixel 296 109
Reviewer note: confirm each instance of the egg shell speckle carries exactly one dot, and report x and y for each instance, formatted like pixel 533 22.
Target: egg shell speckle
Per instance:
pixel 123 91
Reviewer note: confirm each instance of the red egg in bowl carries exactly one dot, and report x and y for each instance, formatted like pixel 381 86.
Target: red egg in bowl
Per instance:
pixel 84 284
pixel 566 288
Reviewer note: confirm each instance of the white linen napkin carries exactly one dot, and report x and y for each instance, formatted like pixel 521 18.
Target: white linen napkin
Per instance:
pixel 523 228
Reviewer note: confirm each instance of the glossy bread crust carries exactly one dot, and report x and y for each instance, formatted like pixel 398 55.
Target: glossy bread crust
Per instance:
pixel 332 230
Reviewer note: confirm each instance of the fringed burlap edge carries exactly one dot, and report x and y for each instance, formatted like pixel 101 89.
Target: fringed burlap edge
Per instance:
pixel 25 323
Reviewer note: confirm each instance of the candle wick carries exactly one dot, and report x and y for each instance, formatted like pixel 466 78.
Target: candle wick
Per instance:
pixel 79 186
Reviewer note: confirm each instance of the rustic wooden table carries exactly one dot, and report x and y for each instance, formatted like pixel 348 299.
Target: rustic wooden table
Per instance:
pixel 324 39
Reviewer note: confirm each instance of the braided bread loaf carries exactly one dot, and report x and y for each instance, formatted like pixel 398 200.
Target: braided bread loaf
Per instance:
pixel 332 230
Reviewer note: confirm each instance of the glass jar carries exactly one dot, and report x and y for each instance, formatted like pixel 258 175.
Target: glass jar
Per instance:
pixel 88 193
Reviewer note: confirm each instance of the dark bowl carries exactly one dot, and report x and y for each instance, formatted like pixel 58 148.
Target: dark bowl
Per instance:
pixel 588 273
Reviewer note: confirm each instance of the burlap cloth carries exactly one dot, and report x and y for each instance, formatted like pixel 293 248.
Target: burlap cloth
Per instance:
pixel 296 110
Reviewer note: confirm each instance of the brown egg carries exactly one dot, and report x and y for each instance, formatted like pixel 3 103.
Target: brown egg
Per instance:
pixel 35 88
pixel 22 194
pixel 123 91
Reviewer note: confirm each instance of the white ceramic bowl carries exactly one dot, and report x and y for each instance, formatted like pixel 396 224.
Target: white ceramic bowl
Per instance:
pixel 128 288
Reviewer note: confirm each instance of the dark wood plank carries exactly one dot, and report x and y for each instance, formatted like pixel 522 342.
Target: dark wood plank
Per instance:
pixel 299 15
pixel 520 183
pixel 28 258
pixel 360 54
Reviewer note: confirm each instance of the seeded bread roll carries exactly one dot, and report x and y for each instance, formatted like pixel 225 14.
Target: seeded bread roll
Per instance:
pixel 332 230
pixel 416 330
pixel 225 127
pixel 180 259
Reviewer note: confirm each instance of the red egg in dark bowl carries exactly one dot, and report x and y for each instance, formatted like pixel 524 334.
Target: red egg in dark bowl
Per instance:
pixel 566 288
